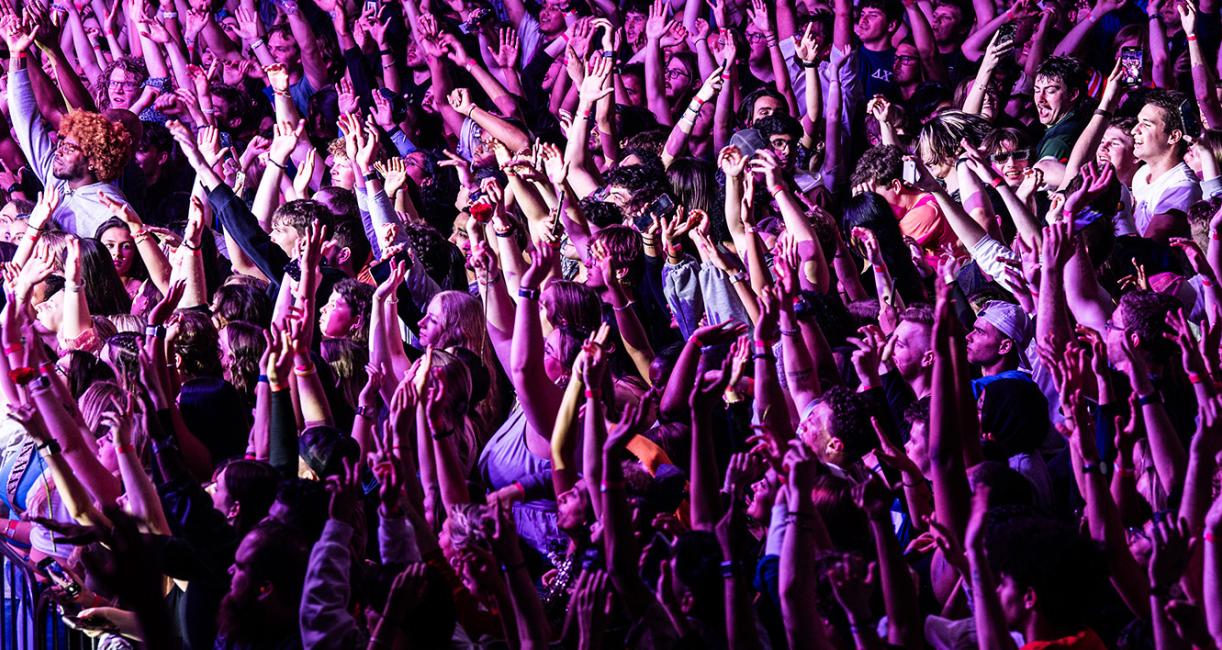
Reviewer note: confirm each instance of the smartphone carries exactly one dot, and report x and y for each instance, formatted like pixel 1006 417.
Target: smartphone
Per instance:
pixel 1191 119
pixel 474 20
pixel 372 5
pixel 910 171
pixel 1005 34
pixel 1130 65
pixel 662 207
pixel 52 569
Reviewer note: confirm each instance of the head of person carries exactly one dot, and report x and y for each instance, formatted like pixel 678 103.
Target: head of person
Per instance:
pixel 551 16
pixel 636 13
pixel 117 238
pixel 301 504
pixel 154 151
pixel 99 399
pixel 877 20
pixel 682 76
pixel 838 428
pixel 940 142
pixel 1059 84
pixel 783 133
pixel 104 291
pixel 1141 316
pixel 1013 418
pixel 623 246
pixel 121 82
pixel 243 491
pixel 1208 144
pixel 1048 573
pixel 1009 151
pixel 90 148
pixel 194 344
pixel 907 66
pixel 348 249
pixel 1159 131
pixel 265 584
pixel 880 170
pixel 240 301
pixel 341 174
pixel 761 103
pixel 283 47
pixel 634 187
pixel 999 335
pixel 633 79
pixel 871 211
pixel 916 416
pixel 455 386
pixel 454 318
pixel 242 345
pixel 291 221
pixel 574 311
pixel 346 312
pixel 912 343
pixel 82 370
pixel 949 23
pixel 1116 147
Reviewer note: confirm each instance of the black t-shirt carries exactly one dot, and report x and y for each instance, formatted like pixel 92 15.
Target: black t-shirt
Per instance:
pixel 875 68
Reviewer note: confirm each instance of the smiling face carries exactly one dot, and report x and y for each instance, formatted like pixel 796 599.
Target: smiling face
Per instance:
pixel 1117 148
pixel 1011 161
pixel 872 25
pixel 1052 99
pixel 1151 137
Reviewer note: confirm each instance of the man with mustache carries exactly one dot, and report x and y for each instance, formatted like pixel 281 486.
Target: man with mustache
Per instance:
pixel 1059 89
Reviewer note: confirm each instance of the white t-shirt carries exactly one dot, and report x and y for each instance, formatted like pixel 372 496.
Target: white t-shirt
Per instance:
pixel 1176 189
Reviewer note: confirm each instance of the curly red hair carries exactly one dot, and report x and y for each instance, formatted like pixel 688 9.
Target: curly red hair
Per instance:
pixel 105 144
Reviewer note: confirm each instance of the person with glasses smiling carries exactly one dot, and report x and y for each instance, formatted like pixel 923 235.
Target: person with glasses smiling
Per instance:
pixel 84 159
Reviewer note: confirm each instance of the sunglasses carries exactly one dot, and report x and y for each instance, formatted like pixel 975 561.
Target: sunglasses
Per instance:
pixel 1018 155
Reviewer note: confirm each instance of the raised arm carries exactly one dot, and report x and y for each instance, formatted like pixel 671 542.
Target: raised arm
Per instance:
pixel 1202 75
pixel 540 398
pixel 311 52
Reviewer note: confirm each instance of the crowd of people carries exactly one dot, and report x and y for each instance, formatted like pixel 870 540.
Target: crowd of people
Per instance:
pixel 610 324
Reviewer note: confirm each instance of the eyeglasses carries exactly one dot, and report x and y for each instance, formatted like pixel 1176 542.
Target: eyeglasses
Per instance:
pixel 906 59
pixel 68 147
pixel 675 73
pixel 1018 155
pixel 756 37
pixel 780 144
pixel 123 85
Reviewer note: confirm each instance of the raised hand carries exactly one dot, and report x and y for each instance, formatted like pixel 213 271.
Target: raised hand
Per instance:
pixel 285 140
pixel 731 162
pixel 807 47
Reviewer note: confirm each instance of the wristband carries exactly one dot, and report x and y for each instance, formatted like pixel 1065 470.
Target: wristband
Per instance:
pixel 729 568
pixel 264 380
pixel 674 250
pixel 372 176
pixel 1208 536
pixel 997 181
pixel 276 164
pixel 169 15
pixel 1206 282
pixel 275 386
pixel 777 189
pixel 508 232
pixel 257 43
pixel 1067 213
pixel 304 371
pixel 608 486
pixel 593 394
pixel 1194 378
pixel 1192 38
pixel 762 346
pixel 696 340
pixel 47 367
pixel 1152 398
pixel 790 333
pixel 1213 235
pixel 124 449
pixel 282 93
pixel 528 294
pixel 51 448
pixel 1126 472
pixel 10 529
pixel 14 348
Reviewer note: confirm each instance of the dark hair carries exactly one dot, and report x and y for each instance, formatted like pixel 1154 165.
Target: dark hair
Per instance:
pixel 879 165
pixel 1169 101
pixel 350 234
pixel 84 370
pixel 246 346
pixel 138 269
pixel 299 214
pixel 359 297
pixel 237 301
pixel 104 291
pixel 1014 418
pixel 251 483
pixel 890 8
pixel 304 505
pixel 1145 314
pixel 1065 569
pixel 871 211
pixel 1065 68
pixel 347 358
pixel 850 421
pixel 746 108
pixel 601 213
pixel 779 124
pixel 642 182
pixel 623 245
pixel 197 344
pixel 124 349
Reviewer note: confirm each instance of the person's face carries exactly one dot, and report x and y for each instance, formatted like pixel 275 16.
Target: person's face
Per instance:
pixel 985 343
pixel 945 24
pixel 765 106
pixel 1116 148
pixel 242 583
pixel 760 500
pixel 432 324
pixel 1011 161
pixel 413 58
pixel 815 432
pixel 757 41
pixel 678 78
pixel 633 89
pixel 69 163
pixel 572 508
pixel 910 349
pixel 122 87
pixel 286 237
pixel 634 28
pixel 151 161
pixel 284 50
pixel 871 24
pixel 1151 138
pixel 336 318
pixel 917 446
pixel 907 66
pixel 220 494
pixel 551 18
pixel 553 363
pixel 122 249
pixel 50 311
pixel 341 172
pixel 1052 99
pixel 14 230
pixel 1013 601
pixel 785 148
pixel 416 166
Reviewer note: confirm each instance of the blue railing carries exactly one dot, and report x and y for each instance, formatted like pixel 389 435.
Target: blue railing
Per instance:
pixel 29 620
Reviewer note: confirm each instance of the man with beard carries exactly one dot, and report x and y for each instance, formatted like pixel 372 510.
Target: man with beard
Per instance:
pixel 261 608
pixel 1059 89
pixel 89 154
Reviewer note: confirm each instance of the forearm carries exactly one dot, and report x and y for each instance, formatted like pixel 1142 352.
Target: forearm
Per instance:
pixel 313 399
pixel 655 96
pixel 195 293
pixel 705 508
pixel 142 499
pixel 899 594
pixel 76 320
pixel 1170 461
pixel 1072 41
pixel 593 437
pixel 1084 148
pixel 564 465
pixel 450 476
pixel 990 620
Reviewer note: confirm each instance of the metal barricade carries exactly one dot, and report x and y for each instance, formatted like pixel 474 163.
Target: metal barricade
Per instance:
pixel 29 620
